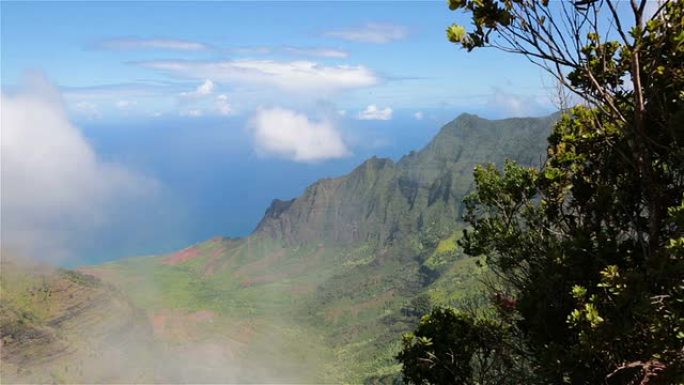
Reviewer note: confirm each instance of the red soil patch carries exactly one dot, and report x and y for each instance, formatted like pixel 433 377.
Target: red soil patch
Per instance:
pixel 219 251
pixel 158 322
pixel 184 255
pixel 213 249
pixel 221 261
pixel 217 258
pixel 261 264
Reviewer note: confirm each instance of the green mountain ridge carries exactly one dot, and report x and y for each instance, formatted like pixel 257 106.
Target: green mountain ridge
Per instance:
pixel 324 287
pixel 380 200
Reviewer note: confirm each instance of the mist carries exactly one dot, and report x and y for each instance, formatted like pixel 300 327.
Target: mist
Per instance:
pixel 83 329
pixel 54 185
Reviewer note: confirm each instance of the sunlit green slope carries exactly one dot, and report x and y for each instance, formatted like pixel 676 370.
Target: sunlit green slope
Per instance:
pixel 326 284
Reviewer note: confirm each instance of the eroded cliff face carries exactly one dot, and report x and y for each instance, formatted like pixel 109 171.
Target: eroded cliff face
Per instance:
pixel 381 201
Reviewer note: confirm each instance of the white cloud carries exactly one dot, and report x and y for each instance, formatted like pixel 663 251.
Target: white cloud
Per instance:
pixel 372 112
pixel 114 99
pixel 418 115
pixel 139 43
pixel 317 52
pixel 303 76
pixel 124 104
pixel 292 135
pixel 113 91
pixel 223 106
pixel 204 89
pixel 54 186
pixel 378 33
pixel 200 101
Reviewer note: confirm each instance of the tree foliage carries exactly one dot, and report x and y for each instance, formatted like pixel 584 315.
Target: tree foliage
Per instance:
pixel 453 347
pixel 589 248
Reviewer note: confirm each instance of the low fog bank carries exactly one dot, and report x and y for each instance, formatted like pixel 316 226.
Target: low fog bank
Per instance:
pixel 63 326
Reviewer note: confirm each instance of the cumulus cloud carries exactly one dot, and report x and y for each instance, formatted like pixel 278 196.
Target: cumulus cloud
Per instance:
pixel 378 33
pixel 372 112
pixel 54 186
pixel 132 43
pixel 204 89
pixel 292 135
pixel 201 101
pixel 418 115
pixel 304 76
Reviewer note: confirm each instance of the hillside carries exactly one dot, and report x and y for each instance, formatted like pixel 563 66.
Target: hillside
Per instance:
pixel 381 201
pixel 65 326
pixel 323 288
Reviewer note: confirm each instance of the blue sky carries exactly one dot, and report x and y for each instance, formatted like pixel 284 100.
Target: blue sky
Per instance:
pixel 189 117
pixel 104 53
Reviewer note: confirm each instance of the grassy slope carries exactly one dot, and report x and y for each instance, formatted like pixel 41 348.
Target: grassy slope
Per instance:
pixel 59 326
pixel 322 291
pixel 316 314
pixel 255 296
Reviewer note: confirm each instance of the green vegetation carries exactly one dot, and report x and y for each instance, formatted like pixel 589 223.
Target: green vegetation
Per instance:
pixel 322 289
pixel 587 249
pixel 566 272
pixel 59 325
pixel 463 350
pixel 329 280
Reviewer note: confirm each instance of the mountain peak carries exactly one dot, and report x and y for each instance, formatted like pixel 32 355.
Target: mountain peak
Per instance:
pixel 467 116
pixel 380 200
